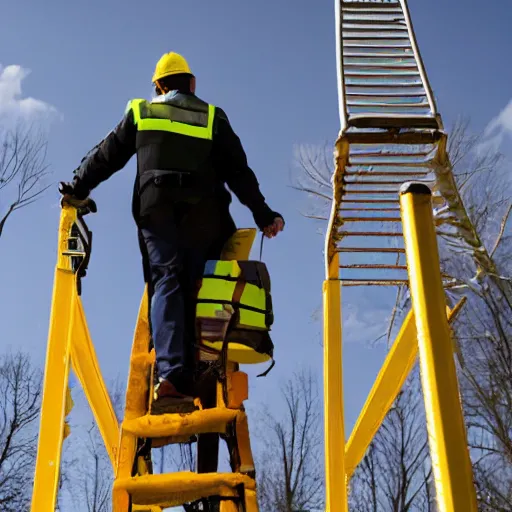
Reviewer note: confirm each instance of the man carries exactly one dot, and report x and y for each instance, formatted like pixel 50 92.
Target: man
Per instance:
pixel 186 153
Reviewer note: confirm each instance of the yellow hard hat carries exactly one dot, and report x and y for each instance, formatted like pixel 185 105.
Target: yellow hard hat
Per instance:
pixel 170 64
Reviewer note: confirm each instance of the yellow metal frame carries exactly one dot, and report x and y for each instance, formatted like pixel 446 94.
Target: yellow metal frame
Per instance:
pixel 428 323
pixel 445 421
pixel 68 342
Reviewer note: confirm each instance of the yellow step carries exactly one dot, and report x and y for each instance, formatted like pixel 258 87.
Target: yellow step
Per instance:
pixel 146 508
pixel 197 422
pixel 174 489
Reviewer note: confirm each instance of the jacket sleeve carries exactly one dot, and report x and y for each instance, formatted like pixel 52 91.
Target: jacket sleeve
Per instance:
pixel 231 162
pixel 106 158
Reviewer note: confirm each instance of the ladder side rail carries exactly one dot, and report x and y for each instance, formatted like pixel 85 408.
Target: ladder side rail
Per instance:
pixel 451 463
pixel 56 374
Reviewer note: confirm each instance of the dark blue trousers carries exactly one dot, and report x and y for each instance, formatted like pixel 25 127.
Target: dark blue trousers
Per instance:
pixel 176 250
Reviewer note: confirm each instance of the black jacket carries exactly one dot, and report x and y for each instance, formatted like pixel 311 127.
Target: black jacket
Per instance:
pixel 229 160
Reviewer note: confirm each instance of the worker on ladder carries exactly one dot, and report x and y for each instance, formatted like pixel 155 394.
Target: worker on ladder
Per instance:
pixel 186 152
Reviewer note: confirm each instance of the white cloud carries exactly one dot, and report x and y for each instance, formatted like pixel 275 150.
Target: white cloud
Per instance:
pixel 12 104
pixel 363 323
pixel 498 129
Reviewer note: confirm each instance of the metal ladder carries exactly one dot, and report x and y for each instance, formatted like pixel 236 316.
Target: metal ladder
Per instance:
pixel 392 179
pixel 390 133
pixel 221 411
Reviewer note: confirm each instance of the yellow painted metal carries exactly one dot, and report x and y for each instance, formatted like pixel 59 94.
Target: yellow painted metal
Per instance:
pixel 397 366
pixel 173 489
pixel 208 420
pixel 445 423
pixel 229 506
pixel 67 409
pixel 86 367
pixel 136 403
pixel 53 406
pixel 251 502
pixel 335 480
pixel 68 340
pixel 244 444
pixel 238 247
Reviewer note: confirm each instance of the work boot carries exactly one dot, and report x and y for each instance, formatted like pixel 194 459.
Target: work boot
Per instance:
pixel 168 400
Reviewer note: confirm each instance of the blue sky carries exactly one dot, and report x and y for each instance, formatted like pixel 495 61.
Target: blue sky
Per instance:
pixel 271 66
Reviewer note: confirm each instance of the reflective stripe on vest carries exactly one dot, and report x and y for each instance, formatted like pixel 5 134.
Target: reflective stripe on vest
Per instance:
pixel 168 125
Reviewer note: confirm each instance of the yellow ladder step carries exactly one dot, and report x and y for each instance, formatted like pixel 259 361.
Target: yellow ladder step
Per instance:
pixel 174 489
pixel 146 508
pixel 198 422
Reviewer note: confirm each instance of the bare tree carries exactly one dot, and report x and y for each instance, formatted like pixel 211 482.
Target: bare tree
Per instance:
pixel 395 473
pixel 20 393
pixel 88 475
pixel 22 168
pixel 483 331
pixel 290 469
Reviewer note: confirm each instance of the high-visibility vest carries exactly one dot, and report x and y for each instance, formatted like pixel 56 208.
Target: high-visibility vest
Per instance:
pixel 174 150
pixel 234 304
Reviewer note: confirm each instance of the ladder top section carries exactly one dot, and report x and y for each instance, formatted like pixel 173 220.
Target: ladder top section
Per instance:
pixel 382 82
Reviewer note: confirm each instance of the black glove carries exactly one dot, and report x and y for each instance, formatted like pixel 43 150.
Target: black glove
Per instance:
pixel 264 216
pixel 76 198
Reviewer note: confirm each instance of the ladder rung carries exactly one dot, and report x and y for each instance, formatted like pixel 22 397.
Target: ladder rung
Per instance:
pixel 387 86
pixel 376 37
pixel 390 106
pixel 393 120
pixel 379 46
pixel 373 182
pixel 380 55
pixel 393 173
pixel 386 94
pixel 389 163
pixel 370 233
pixel 355 209
pixel 390 28
pixel 71 252
pixel 376 7
pixel 379 201
pixel 383 152
pixel 375 266
pixel 369 23
pixel 380 65
pixel 369 192
pixel 371 219
pixel 416 137
pixel 374 282
pixel 394 250
pixel 174 489
pixel 169 425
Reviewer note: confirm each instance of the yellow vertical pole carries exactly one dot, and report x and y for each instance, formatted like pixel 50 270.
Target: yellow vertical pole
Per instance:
pixel 335 481
pixel 51 431
pixel 445 422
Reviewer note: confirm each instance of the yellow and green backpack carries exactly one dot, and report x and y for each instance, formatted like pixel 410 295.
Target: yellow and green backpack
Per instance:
pixel 234 306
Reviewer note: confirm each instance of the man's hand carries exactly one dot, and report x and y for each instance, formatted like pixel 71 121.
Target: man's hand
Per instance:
pixel 274 228
pixel 69 198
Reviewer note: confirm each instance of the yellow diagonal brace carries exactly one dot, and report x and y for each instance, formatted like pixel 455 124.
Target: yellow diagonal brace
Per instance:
pixel 397 366
pixel 445 423
pixel 86 367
